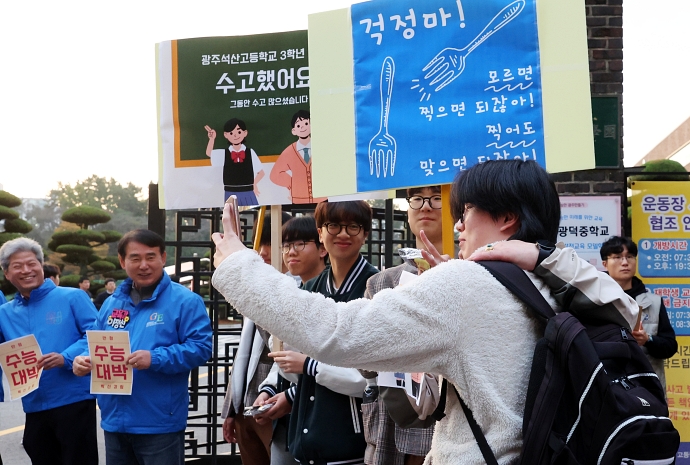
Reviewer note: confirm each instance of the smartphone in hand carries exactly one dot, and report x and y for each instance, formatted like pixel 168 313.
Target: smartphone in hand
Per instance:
pixel 235 218
pixel 258 410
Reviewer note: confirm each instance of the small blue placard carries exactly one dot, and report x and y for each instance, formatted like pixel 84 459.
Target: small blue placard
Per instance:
pixel 683 454
pixel 442 85
pixel 663 258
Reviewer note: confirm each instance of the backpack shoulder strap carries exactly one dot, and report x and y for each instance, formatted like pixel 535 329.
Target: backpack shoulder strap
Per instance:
pixel 439 413
pixel 517 282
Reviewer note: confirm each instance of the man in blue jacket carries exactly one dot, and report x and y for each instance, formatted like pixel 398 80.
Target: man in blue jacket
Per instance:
pixel 170 333
pixel 61 413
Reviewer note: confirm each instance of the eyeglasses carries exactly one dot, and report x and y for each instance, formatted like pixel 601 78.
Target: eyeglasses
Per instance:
pixel 466 209
pixel 297 245
pixel 334 229
pixel 417 202
pixel 619 258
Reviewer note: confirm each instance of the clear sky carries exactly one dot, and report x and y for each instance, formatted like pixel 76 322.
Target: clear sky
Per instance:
pixel 78 91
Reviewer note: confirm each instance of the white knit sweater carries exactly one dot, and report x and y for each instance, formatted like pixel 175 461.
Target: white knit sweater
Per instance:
pixel 455 320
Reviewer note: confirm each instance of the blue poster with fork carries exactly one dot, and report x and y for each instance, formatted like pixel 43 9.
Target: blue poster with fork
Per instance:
pixel 441 85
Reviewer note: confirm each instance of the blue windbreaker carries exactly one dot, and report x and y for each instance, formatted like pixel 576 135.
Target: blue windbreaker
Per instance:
pixel 59 318
pixel 174 326
pixel 2 391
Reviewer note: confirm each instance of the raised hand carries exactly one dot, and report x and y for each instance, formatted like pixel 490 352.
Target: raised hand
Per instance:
pixel 228 242
pixel 211 132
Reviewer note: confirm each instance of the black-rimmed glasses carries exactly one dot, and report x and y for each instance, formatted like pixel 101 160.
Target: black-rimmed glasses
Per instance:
pixel 620 258
pixel 297 245
pixel 417 202
pixel 334 229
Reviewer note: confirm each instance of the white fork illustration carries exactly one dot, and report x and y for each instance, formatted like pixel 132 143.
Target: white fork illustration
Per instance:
pixel 382 147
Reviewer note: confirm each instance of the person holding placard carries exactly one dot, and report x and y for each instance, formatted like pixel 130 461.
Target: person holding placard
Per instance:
pixel 61 413
pixel 170 334
pixel 653 332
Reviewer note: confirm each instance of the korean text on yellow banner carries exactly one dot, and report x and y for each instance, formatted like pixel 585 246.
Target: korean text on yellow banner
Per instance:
pixel 661 228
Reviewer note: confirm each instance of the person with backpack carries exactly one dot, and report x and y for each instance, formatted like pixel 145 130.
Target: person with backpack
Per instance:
pixel 456 319
pixel 654 334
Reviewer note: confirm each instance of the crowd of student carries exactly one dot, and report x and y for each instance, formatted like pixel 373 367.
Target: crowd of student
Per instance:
pixel 455 320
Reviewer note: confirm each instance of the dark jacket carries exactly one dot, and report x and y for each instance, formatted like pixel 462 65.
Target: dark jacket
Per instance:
pixel 326 426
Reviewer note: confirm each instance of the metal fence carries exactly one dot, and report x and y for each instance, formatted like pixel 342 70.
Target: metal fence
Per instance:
pixel 192 249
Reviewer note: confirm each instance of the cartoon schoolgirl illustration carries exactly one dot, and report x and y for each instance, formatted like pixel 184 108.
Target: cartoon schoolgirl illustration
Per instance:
pixel 242 169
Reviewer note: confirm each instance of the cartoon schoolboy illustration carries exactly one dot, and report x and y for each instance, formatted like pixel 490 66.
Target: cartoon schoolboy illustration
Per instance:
pixel 242 169
pixel 292 169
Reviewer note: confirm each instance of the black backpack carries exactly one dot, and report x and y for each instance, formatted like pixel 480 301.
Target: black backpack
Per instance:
pixel 593 397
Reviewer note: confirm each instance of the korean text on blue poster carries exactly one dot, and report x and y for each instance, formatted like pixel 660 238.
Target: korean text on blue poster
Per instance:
pixel 441 85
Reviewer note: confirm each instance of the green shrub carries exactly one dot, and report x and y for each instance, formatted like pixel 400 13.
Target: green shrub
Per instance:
pixel 111 236
pixel 69 280
pixel 18 225
pixel 116 275
pixel 9 200
pixel 8 236
pixel 661 166
pixel 86 216
pixel 114 259
pixel 101 266
pixel 7 213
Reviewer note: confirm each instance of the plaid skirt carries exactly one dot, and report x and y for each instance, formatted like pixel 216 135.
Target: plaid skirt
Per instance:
pixel 387 443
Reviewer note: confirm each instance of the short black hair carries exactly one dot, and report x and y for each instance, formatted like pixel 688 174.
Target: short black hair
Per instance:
pixel 301 114
pixel 83 278
pixel 615 245
pixel 142 236
pixel 416 190
pixel 109 280
pixel 50 271
pixel 266 230
pixel 301 228
pixel 233 123
pixel 500 187
pixel 357 211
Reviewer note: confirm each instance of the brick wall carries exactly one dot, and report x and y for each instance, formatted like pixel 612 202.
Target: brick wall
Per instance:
pixel 605 43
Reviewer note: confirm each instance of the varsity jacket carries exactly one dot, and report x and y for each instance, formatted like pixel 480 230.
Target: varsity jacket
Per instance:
pixel 455 320
pixel 59 318
pixel 326 419
pixel 174 326
pixel 655 322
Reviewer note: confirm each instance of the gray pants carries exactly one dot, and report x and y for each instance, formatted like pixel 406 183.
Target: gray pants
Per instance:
pixel 279 452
